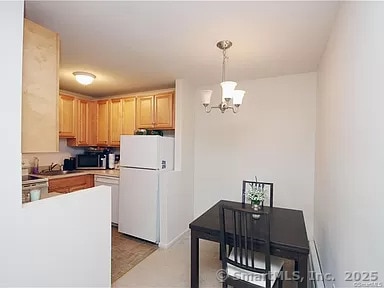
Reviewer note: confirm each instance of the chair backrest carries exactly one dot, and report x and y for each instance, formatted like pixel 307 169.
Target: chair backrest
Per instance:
pixel 263 185
pixel 245 236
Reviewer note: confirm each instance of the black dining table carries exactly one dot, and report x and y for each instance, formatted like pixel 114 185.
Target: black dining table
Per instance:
pixel 287 233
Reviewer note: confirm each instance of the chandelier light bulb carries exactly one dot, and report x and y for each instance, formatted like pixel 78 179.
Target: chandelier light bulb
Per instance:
pixel 206 97
pixel 238 97
pixel 227 90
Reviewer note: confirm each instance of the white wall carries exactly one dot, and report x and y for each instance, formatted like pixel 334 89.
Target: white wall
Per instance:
pixel 46 159
pixel 177 203
pixel 272 136
pixel 349 144
pixel 50 242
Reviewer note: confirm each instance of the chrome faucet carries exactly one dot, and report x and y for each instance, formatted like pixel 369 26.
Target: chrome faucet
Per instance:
pixel 53 165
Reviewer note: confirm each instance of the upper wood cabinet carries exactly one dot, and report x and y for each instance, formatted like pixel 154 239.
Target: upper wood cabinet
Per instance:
pixel 164 112
pixel 67 116
pixel 92 136
pixel 128 116
pixel 115 123
pixel 102 122
pixel 155 111
pixel 85 118
pixel 144 112
pixel 40 89
pixel 82 135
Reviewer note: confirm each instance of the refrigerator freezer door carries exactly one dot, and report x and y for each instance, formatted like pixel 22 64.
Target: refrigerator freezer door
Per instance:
pixel 139 203
pixel 139 151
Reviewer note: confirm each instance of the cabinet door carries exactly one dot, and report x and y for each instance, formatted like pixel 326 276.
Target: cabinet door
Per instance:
pixel 92 133
pixel 128 115
pixel 144 112
pixel 40 89
pixel 164 110
pixel 67 118
pixel 115 122
pixel 82 122
pixel 102 122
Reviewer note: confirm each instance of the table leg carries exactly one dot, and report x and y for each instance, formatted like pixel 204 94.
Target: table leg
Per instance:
pixel 302 267
pixel 194 260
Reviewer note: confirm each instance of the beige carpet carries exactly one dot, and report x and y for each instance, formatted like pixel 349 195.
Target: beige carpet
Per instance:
pixel 170 268
pixel 127 252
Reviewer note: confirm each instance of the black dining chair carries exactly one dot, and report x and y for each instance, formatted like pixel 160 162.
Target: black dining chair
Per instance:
pixel 263 185
pixel 245 249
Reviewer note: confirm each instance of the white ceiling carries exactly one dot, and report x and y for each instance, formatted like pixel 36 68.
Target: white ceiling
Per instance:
pixel 139 46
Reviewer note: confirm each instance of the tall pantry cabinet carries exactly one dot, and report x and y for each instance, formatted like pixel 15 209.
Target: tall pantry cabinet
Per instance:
pixel 40 89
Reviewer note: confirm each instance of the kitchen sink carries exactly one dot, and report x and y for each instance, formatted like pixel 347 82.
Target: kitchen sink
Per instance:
pixel 56 172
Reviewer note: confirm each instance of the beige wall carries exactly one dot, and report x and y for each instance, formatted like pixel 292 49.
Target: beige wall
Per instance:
pixel 349 145
pixel 272 137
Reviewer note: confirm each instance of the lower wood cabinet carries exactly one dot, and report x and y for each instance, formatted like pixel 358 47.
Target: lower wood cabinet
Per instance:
pixel 70 184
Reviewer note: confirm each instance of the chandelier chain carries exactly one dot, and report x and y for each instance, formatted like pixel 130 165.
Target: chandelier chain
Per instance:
pixel 225 58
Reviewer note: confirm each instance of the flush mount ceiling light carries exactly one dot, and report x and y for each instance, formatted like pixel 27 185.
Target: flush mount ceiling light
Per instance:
pixel 228 88
pixel 84 78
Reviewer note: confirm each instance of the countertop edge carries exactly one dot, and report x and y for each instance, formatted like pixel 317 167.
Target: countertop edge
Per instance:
pixel 110 173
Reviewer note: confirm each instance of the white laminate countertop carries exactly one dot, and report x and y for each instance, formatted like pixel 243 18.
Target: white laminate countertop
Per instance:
pixel 111 173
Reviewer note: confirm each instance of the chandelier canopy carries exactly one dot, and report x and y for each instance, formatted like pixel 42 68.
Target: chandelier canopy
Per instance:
pixel 228 93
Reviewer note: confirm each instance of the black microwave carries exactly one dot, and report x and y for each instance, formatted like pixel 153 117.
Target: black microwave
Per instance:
pixel 91 161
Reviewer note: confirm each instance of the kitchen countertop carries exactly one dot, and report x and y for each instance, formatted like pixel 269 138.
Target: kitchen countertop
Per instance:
pixel 111 173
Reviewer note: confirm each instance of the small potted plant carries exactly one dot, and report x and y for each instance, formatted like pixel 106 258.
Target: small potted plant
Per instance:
pixel 256 195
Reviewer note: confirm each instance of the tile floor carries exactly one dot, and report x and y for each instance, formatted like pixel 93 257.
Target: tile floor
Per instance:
pixel 171 268
pixel 127 252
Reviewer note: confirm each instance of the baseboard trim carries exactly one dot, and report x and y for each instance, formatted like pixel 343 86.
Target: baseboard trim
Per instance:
pixel 177 238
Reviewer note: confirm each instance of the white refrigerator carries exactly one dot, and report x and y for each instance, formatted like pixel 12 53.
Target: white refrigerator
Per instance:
pixel 143 161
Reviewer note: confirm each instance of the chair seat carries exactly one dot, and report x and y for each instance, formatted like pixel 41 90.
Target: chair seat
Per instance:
pixel 253 277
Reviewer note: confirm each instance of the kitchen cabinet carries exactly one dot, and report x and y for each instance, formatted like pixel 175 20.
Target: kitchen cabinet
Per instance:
pixel 92 107
pixel 67 116
pixel 155 112
pixel 144 112
pixel 115 117
pixel 82 122
pixel 102 122
pixel 70 184
pixel 164 112
pixel 128 116
pixel 115 123
pixel 40 84
pixel 85 118
pixel 112 182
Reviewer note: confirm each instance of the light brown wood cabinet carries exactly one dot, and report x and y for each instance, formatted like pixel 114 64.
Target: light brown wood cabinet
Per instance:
pixel 92 137
pixel 120 120
pixel 102 122
pixel 82 135
pixel 155 111
pixel 67 116
pixel 164 112
pixel 40 89
pixel 70 184
pixel 128 115
pixel 144 112
pixel 85 118
pixel 115 123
